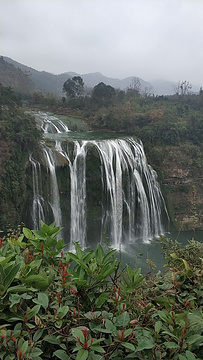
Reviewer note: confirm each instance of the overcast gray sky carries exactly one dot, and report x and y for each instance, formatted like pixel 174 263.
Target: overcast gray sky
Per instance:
pixel 151 39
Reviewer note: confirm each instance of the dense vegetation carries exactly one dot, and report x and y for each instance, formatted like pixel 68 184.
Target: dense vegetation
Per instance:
pixel 85 305
pixel 171 128
pixel 18 137
pixel 165 120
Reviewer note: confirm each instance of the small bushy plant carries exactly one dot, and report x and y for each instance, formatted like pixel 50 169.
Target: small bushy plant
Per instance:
pixel 82 305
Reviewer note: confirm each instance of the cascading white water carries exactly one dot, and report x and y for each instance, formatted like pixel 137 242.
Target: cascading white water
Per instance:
pixel 54 198
pixel 50 124
pixel 125 158
pixel 133 206
pixel 37 212
pixel 78 190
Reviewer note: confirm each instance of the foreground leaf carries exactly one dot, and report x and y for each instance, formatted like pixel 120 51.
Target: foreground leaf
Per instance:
pixel 61 354
pixel 82 354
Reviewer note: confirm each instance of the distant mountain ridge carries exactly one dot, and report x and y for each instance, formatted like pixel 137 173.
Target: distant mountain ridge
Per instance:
pixel 163 87
pixel 44 81
pixel 50 83
pixel 15 78
pixel 93 79
pixel 47 82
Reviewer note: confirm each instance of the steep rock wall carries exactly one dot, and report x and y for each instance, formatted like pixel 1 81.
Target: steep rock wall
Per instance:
pixel 180 170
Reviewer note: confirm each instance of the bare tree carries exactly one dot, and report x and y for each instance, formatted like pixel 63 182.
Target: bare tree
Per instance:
pixel 182 88
pixel 135 84
pixel 148 91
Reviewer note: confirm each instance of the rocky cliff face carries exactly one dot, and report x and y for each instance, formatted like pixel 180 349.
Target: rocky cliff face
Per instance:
pixel 180 170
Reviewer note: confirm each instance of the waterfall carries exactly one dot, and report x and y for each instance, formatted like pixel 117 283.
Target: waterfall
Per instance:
pixel 125 157
pixel 54 198
pixel 78 190
pixel 50 124
pixel 37 211
pixel 132 205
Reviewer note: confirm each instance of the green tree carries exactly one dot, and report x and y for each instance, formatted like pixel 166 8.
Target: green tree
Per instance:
pixel 9 98
pixel 103 94
pixel 74 87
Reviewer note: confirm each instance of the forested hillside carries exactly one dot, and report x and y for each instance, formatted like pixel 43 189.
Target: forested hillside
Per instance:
pixel 18 137
pixel 15 78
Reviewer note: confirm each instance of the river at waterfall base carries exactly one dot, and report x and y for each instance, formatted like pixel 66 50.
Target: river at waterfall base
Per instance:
pixel 97 189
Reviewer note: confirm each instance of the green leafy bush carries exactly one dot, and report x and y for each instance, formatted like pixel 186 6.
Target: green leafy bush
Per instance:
pixel 83 305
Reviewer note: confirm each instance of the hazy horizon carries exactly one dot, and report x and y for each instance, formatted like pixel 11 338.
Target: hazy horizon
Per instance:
pixel 150 39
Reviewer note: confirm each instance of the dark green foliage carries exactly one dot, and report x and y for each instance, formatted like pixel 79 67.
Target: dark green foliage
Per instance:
pixel 156 120
pixel 83 305
pixel 77 103
pixel 195 128
pixel 103 95
pixel 18 137
pixel 8 98
pixel 74 87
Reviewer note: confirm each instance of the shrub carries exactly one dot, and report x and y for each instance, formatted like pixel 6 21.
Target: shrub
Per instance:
pixel 82 305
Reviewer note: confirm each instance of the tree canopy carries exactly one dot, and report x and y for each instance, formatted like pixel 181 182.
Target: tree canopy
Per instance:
pixel 103 94
pixel 74 87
